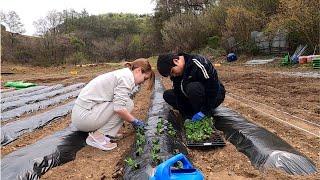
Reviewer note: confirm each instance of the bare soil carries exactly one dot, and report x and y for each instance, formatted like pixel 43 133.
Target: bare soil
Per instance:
pixel 298 96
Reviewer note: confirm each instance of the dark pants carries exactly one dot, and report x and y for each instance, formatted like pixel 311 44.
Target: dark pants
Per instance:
pixel 190 105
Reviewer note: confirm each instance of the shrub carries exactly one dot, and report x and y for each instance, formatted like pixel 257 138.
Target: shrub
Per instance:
pixel 184 32
pixel 213 42
pixel 76 58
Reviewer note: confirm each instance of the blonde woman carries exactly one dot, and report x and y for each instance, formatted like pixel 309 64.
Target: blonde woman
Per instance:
pixel 104 103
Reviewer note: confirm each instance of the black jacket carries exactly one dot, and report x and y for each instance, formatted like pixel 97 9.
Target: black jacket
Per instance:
pixel 199 69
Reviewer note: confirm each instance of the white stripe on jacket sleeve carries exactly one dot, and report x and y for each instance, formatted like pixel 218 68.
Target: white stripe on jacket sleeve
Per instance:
pixel 203 69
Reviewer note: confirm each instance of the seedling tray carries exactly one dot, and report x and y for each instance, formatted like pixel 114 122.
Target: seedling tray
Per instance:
pixel 216 140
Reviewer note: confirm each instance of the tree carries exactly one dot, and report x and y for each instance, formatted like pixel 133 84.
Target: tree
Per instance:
pixel 300 19
pixel 240 22
pixel 13 22
pixel 47 29
pixel 184 32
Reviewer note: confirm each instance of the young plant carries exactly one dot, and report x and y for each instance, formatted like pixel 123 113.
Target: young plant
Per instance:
pixel 132 163
pixel 154 152
pixel 161 121
pixel 140 130
pixel 200 130
pixel 160 127
pixel 139 151
pixel 155 146
pixel 171 130
pixel 140 139
pixel 155 141
pixel 155 158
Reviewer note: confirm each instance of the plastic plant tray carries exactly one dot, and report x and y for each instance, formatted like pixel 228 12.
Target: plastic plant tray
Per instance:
pixel 215 141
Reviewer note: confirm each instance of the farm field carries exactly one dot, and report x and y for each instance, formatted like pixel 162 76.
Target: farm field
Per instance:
pixel 286 105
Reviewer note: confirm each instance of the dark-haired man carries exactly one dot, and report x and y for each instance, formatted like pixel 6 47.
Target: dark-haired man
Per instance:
pixel 197 90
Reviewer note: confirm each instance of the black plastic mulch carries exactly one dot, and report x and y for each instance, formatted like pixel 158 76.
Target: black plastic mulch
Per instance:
pixel 263 148
pixel 34 160
pixel 21 91
pixel 12 105
pixel 11 131
pixel 169 145
pixel 40 91
pixel 14 113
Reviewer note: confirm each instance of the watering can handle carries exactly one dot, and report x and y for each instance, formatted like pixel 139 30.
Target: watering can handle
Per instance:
pixel 163 170
pixel 179 157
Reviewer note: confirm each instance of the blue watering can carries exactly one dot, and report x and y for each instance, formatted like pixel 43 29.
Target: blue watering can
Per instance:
pixel 165 172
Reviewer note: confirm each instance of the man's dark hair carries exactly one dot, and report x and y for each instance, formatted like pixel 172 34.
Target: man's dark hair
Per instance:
pixel 165 63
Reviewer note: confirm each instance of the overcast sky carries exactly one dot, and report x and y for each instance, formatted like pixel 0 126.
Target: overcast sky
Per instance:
pixel 32 10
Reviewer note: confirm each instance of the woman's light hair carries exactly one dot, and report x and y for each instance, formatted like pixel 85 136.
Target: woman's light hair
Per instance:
pixel 145 68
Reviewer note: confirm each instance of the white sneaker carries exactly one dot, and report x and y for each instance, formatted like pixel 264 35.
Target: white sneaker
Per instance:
pixel 105 145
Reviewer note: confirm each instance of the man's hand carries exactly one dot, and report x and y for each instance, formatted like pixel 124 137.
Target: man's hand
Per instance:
pixel 137 123
pixel 197 117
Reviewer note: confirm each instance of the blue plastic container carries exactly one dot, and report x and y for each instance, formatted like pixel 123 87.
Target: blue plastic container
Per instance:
pixel 231 57
pixel 164 171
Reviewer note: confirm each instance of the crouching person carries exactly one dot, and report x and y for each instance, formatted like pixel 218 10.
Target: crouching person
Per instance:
pixel 197 90
pixel 104 103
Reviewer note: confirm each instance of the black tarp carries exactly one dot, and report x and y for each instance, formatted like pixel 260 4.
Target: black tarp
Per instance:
pixel 40 91
pixel 34 160
pixel 263 148
pixel 11 105
pixel 21 91
pixel 169 145
pixel 13 130
pixel 17 112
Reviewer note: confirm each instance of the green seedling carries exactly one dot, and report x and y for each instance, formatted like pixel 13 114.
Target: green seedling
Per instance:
pixel 171 130
pixel 154 151
pixel 132 163
pixel 159 127
pixel 155 141
pixel 140 130
pixel 139 151
pixel 155 158
pixel 200 130
pixel 140 139
pixel 161 121
pixel 156 148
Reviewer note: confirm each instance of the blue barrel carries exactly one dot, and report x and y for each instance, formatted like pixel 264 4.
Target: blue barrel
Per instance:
pixel 165 172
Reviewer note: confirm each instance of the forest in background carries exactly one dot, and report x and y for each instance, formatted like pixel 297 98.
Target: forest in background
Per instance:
pixel 203 26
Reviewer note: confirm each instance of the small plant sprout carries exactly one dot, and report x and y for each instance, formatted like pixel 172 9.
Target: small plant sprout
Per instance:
pixel 160 127
pixel 171 130
pixel 155 141
pixel 200 130
pixel 139 151
pixel 154 151
pixel 140 139
pixel 155 158
pixel 132 163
